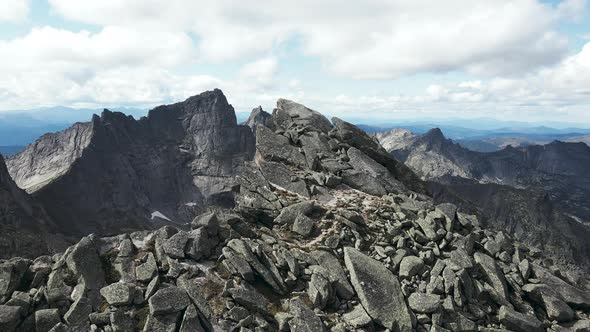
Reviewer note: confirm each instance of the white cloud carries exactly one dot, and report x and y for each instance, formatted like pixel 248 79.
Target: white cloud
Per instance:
pixel 14 10
pixel 364 39
pixel 559 93
pixel 260 73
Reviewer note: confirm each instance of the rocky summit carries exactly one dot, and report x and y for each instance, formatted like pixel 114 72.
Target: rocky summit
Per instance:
pixel 328 233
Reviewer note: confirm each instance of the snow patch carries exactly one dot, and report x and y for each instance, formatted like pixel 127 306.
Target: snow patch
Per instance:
pixel 191 204
pixel 158 214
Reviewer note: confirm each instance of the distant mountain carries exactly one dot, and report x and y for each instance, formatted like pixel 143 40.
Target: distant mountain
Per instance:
pixel 22 127
pixel 583 138
pixel 115 173
pixel 539 191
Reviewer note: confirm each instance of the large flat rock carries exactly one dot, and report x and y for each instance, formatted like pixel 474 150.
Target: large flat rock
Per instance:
pixel 378 290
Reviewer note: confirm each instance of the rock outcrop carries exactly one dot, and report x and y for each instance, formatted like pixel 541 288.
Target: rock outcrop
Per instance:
pixel 116 173
pixel 257 117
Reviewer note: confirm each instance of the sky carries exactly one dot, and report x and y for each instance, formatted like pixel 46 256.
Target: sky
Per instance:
pixel 373 60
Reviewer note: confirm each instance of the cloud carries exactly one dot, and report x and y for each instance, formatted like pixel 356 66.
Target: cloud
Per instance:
pixel 260 73
pixel 364 39
pixel 14 10
pixel 49 65
pixel 559 93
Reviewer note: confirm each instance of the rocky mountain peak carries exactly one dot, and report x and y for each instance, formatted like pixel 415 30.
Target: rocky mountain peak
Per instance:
pixel 257 116
pixel 177 161
pixel 290 113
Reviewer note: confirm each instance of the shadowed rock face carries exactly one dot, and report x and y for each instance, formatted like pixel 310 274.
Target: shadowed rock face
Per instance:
pixel 24 225
pixel 538 193
pixel 116 173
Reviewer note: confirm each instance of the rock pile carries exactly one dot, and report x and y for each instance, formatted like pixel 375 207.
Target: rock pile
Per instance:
pixel 328 235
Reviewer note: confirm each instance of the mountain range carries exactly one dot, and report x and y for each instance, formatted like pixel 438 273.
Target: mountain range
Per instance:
pixel 289 222
pixel 539 192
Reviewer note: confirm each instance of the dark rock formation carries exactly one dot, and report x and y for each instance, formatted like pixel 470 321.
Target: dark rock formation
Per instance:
pixel 116 173
pixel 25 229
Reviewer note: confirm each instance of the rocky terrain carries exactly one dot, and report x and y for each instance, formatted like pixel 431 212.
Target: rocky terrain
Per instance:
pixel 116 174
pixel 328 233
pixel 538 193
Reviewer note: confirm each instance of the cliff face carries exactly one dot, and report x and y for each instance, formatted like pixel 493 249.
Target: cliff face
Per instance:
pixel 117 173
pixel 25 228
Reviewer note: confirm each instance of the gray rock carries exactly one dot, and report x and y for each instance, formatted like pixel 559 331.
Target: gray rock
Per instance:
pixel 11 273
pixel 241 247
pixel 257 117
pixel 304 319
pixel 61 327
pixel 152 287
pixel 280 176
pixel 250 299
pixel 77 315
pixel 283 319
pixel 410 266
pixel 174 246
pixel 100 318
pixel 237 264
pixel 335 272
pixel 162 323
pixel 199 244
pixel 277 148
pixel 46 319
pixel 319 291
pixel 357 317
pixel 493 274
pixel 84 261
pixel 424 303
pixel 519 322
pixel 378 290
pixel 10 317
pixel 208 220
pixel 569 294
pixel 147 270
pixel 197 298
pixel 291 112
pixel 291 212
pixel 168 300
pixel 303 225
pixel 190 321
pixel 525 269
pixel 546 297
pixel 121 321
pixel 118 293
pixel 368 166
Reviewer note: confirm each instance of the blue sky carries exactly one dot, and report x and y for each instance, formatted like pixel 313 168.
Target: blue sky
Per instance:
pixel 524 60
